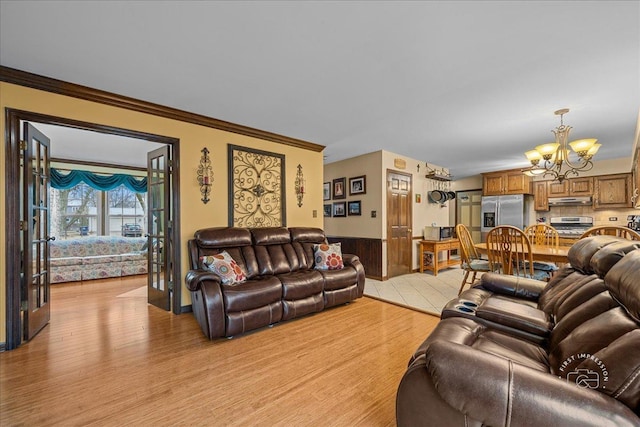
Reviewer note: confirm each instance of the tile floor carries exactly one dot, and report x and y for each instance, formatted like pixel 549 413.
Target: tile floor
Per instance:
pixel 421 291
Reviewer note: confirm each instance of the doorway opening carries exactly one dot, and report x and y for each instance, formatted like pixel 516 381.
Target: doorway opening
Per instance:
pixel 162 228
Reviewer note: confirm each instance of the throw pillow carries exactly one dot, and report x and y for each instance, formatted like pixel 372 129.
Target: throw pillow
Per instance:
pixel 328 256
pixel 224 266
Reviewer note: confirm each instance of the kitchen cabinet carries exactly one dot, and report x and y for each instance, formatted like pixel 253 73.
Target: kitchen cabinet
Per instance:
pixel 540 196
pixel 581 186
pixel 613 191
pixel 571 187
pixel 505 182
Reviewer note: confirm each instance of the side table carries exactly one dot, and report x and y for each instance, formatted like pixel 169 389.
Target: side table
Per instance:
pixel 436 246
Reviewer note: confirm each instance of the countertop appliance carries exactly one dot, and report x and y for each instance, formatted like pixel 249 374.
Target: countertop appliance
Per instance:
pixel 438 233
pixel 633 222
pixel 515 210
pixel 571 227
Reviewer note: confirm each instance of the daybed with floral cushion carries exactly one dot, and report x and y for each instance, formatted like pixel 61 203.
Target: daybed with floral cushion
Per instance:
pixel 97 257
pixel 244 279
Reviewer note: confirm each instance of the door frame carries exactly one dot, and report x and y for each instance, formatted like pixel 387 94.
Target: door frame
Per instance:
pixel 13 117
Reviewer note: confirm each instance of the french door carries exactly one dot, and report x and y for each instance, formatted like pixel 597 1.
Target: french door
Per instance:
pixel 36 228
pixel 159 224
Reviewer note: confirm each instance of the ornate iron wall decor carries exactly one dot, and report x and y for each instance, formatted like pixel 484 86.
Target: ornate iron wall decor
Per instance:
pixel 256 187
pixel 205 175
pixel 299 186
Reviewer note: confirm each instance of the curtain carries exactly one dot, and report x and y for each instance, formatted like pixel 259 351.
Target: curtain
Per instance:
pixel 66 181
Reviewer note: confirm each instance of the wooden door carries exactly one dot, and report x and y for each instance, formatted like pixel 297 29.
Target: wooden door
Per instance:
pixel 469 212
pixel 160 245
pixel 399 220
pixel 35 250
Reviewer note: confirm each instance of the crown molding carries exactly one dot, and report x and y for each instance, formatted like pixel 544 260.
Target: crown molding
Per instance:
pixel 35 81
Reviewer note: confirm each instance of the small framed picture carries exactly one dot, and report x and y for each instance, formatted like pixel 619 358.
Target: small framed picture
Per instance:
pixel 327 210
pixel 358 185
pixel 326 191
pixel 339 209
pixel 355 208
pixel 339 191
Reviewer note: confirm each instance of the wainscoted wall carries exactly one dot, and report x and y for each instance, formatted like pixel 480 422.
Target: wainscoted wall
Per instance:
pixel 368 250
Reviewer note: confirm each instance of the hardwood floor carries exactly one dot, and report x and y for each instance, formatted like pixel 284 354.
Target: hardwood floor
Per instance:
pixel 108 358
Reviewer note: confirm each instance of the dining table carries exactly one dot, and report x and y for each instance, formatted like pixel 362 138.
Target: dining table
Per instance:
pixel 543 253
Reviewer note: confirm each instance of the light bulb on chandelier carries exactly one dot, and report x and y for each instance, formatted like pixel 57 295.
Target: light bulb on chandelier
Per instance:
pixel 553 158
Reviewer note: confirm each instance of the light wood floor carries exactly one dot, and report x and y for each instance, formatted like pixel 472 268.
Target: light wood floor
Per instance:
pixel 107 358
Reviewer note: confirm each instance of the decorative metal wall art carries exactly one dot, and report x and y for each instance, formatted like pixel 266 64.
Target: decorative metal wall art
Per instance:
pixel 205 175
pixel 256 187
pixel 299 186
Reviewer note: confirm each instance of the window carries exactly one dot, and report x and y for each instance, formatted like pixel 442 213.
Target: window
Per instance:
pixel 85 211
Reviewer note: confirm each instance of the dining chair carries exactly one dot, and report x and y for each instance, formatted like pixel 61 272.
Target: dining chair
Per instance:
pixel 471 260
pixel 543 235
pixel 509 251
pixel 613 230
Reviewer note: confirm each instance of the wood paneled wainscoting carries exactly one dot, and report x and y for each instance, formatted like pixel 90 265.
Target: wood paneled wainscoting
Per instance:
pixel 368 250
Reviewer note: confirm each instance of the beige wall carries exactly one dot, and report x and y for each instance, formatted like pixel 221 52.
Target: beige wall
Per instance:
pixel 194 214
pixel 374 166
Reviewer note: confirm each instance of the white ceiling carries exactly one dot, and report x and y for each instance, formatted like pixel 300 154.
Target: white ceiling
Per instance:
pixel 467 85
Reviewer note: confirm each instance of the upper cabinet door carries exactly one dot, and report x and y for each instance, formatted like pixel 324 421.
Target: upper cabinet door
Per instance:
pixel 558 189
pixel 612 191
pixel 505 182
pixel 581 186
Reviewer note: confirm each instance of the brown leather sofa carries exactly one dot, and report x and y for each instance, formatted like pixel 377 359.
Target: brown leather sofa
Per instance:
pixel 282 283
pixel 518 352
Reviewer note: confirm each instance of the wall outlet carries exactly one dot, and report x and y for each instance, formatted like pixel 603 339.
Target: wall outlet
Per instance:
pixel 374 214
pixel 613 218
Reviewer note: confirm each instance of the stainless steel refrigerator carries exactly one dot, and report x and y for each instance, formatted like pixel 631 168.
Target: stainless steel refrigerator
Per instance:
pixel 516 210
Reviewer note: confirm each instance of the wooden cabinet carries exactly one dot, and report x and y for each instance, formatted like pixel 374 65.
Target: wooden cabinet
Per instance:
pixel 505 182
pixel 571 187
pixel 612 191
pixel 557 189
pixel 581 186
pixel 540 196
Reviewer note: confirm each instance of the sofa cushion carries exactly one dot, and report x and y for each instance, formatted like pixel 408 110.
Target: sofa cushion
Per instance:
pixel 222 237
pixel 328 256
pixel 61 262
pixel 252 294
pixel 622 282
pixel 224 266
pixel 101 259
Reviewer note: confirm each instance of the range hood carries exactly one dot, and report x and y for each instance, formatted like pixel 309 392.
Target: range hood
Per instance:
pixel 570 201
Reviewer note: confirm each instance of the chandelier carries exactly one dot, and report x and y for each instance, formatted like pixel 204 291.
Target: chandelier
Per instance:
pixel 553 158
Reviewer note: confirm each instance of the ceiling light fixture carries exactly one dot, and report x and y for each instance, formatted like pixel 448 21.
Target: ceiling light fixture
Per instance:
pixel 555 155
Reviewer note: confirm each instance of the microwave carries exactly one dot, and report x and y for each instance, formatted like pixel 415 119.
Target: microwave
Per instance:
pixel 438 233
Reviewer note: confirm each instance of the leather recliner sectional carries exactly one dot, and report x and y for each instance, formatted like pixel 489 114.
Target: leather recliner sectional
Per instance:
pixel 518 352
pixel 281 284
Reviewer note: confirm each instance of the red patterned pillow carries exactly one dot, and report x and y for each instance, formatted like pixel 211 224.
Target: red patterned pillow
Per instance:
pixel 224 266
pixel 328 256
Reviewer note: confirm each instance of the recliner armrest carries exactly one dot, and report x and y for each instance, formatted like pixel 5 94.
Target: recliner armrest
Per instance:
pixel 520 287
pixel 194 278
pixel 499 392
